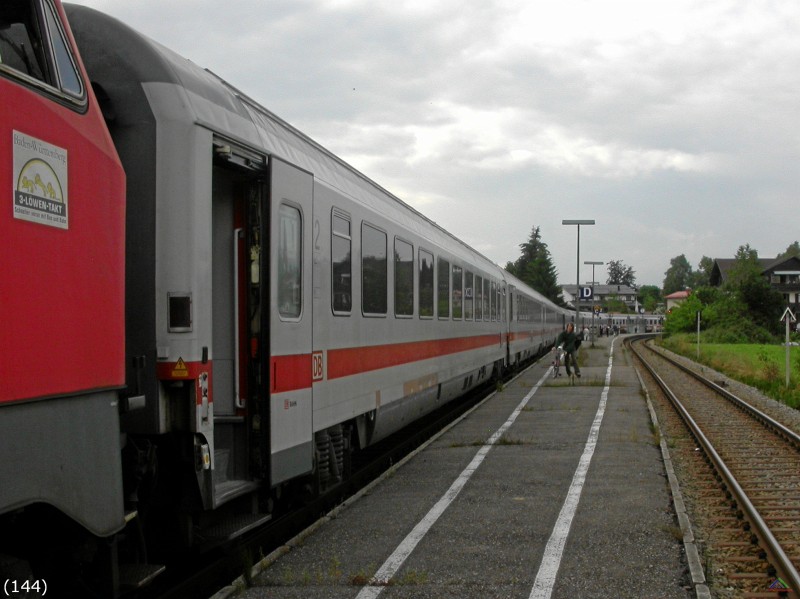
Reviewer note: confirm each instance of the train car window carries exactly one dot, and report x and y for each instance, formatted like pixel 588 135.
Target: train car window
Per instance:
pixel 68 77
pixel 374 271
pixel 487 303
pixel 179 314
pixel 341 264
pixel 493 301
pixel 443 288
pixel 468 300
pixel 425 284
pixel 501 302
pixel 403 278
pixel 290 261
pixel 458 292
pixel 478 298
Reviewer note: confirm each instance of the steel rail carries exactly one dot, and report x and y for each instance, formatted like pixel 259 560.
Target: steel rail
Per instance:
pixel 777 557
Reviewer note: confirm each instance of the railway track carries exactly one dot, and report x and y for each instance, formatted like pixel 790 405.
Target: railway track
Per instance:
pixel 747 482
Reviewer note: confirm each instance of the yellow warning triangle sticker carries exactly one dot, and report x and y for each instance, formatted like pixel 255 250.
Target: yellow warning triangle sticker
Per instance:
pixel 180 368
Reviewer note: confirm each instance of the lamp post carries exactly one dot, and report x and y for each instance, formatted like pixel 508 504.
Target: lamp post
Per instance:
pixel 578 265
pixel 591 331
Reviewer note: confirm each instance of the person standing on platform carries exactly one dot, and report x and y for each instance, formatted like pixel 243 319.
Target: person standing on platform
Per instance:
pixel 569 341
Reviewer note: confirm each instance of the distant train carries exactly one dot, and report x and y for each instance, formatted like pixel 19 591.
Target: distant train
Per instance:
pixel 632 323
pixel 203 310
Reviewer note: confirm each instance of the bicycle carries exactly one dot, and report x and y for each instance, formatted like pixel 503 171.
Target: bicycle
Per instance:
pixel 558 360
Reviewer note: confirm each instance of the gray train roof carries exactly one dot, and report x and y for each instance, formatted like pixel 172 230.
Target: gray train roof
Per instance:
pixel 215 104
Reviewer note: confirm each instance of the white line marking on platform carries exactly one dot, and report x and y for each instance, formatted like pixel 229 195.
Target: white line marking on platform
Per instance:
pixel 393 564
pixel 551 561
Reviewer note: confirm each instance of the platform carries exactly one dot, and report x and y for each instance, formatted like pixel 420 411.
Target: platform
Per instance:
pixel 544 490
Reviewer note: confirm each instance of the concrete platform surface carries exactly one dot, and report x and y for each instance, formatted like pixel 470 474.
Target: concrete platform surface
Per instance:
pixel 544 490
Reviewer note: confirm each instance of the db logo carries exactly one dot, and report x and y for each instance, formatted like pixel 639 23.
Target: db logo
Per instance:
pixel 317 366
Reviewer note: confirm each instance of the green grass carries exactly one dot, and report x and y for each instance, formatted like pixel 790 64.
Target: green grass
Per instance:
pixel 760 366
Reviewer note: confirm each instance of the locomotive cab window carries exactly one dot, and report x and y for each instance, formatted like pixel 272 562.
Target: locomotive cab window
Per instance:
pixel 33 44
pixel 341 264
pixel 66 72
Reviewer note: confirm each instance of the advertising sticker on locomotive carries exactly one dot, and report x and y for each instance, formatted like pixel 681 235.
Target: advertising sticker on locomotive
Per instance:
pixel 40 181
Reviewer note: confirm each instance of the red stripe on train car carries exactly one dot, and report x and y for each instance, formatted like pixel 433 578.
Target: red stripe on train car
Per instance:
pixel 355 360
pixel 290 373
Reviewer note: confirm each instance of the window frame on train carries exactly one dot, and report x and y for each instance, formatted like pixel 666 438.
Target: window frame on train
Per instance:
pixel 427 284
pixel 457 291
pixel 374 280
pixel 57 73
pixel 442 288
pixel 290 297
pixel 403 279
pixel 478 297
pixel 341 263
pixel 469 312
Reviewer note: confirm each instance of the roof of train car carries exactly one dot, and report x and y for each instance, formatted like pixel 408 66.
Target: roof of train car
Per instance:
pixel 224 109
pixel 521 285
pixel 217 105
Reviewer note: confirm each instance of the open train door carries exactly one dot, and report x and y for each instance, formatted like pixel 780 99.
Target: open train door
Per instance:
pixel 290 341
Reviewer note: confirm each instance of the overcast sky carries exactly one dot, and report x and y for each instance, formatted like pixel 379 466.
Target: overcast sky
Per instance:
pixel 675 124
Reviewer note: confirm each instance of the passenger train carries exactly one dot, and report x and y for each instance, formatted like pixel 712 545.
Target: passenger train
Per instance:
pixel 203 310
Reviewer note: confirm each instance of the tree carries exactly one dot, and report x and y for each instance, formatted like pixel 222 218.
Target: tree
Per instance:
pixel 746 268
pixel 682 318
pixel 792 250
pixel 678 275
pixel 535 267
pixel 764 303
pixel 649 297
pixel 620 274
pixel 747 282
pixel 702 276
pixel 744 310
